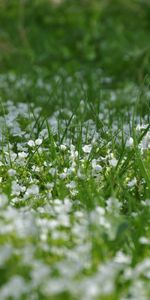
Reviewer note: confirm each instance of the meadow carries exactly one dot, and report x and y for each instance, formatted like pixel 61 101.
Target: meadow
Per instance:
pixel 74 150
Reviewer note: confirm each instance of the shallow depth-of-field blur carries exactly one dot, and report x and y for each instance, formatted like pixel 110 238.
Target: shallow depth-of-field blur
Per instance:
pixel 74 150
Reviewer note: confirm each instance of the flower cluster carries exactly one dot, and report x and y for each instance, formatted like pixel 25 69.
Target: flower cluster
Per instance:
pixel 72 201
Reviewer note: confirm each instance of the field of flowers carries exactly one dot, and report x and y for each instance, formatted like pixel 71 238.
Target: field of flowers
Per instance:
pixel 74 150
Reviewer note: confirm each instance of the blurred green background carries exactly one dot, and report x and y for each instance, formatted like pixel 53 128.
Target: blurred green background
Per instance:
pixel 113 35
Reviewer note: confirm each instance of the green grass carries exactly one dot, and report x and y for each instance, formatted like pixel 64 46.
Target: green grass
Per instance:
pixel 74 150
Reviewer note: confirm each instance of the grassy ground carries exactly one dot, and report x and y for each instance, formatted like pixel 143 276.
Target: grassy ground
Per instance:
pixel 74 150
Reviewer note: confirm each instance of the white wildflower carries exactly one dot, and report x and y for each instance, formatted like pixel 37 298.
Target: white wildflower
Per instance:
pixel 33 190
pixel 96 167
pixel 14 288
pixel 22 154
pixel 144 240
pixel 31 143
pixel 113 162
pixel 38 142
pixel 113 205
pixel 63 147
pixel 122 258
pixel 132 183
pixel 87 148
pixel 11 172
pixel 129 142
pixel 71 185
pixel 17 188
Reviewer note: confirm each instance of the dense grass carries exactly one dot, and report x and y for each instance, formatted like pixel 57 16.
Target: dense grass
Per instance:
pixel 74 150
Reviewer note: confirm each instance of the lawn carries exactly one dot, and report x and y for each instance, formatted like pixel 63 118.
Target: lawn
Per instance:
pixel 74 150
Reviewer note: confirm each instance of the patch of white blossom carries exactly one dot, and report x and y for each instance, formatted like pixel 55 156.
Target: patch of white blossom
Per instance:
pixel 46 230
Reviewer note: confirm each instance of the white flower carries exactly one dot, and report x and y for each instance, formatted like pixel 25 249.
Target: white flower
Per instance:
pixel 33 190
pixel 31 143
pixel 87 148
pixel 129 142
pixel 63 220
pixel 17 188
pixel 144 241
pixel 143 268
pixel 145 143
pixel 113 162
pixel 132 182
pixel 113 205
pixel 63 175
pixel 63 147
pixel 13 156
pixel 96 167
pixel 14 288
pixel 22 154
pixel 35 168
pixel 11 172
pixel 122 258
pixel 38 142
pixel 71 185
pixel 141 127
pixel 52 171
